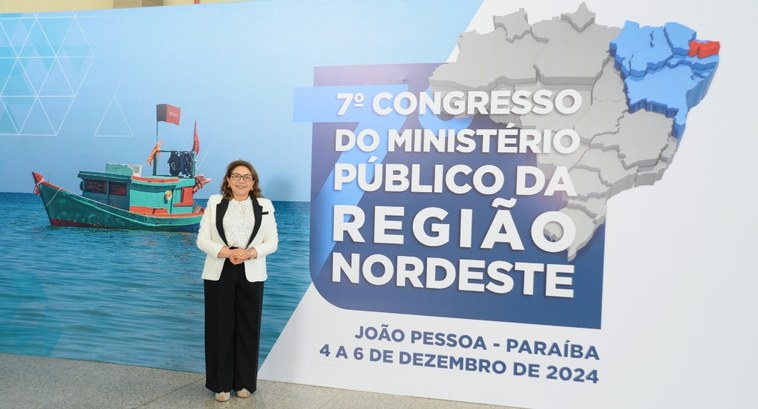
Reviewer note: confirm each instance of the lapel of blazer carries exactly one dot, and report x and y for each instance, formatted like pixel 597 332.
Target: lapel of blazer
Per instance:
pixel 220 211
pixel 258 212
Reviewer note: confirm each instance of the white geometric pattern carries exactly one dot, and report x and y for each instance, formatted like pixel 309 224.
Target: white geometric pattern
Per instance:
pixel 44 60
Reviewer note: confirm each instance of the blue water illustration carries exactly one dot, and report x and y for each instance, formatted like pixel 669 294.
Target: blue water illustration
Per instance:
pixel 121 296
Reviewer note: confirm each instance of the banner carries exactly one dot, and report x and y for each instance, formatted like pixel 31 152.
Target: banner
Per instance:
pixel 532 204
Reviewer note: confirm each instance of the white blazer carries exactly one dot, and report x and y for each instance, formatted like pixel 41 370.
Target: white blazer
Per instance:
pixel 211 238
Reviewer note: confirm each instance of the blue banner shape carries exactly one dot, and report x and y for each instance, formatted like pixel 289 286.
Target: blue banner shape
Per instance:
pixel 384 261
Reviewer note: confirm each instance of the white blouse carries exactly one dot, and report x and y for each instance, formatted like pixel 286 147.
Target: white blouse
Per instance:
pixel 238 223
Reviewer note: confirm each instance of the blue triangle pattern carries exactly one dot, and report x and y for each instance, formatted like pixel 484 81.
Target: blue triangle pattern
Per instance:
pixel 18 108
pixel 37 122
pixel 6 123
pixel 76 43
pixel 75 69
pixel 37 70
pixel 6 48
pixel 18 84
pixel 134 110
pixel 113 122
pixel 56 83
pixel 6 67
pixel 17 30
pixel 57 110
pixel 55 29
pixel 36 44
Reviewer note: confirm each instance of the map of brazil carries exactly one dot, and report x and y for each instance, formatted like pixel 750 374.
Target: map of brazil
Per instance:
pixel 641 83
pixel 486 179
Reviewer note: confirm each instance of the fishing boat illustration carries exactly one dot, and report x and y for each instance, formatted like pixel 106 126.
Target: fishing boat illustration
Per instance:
pixel 123 198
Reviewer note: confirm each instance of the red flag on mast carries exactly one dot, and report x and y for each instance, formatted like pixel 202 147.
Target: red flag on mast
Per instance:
pixel 167 113
pixel 196 141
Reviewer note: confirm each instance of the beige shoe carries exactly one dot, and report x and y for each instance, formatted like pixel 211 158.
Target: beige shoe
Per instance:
pixel 243 393
pixel 223 396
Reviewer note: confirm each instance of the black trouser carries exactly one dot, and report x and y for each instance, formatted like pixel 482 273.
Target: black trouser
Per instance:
pixel 232 330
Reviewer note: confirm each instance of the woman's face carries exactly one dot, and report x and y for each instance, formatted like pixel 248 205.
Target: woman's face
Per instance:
pixel 244 183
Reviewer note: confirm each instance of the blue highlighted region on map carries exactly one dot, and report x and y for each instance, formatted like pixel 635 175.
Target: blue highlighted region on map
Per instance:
pixel 665 69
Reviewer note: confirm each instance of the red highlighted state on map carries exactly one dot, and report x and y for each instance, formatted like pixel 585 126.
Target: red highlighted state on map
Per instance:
pixel 703 49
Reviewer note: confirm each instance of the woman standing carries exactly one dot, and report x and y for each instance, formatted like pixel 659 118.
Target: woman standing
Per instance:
pixel 237 232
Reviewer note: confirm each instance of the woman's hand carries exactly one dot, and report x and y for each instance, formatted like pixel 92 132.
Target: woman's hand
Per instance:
pixel 235 256
pixel 238 256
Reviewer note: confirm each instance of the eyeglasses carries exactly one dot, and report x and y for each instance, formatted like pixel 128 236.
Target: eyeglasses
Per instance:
pixel 246 178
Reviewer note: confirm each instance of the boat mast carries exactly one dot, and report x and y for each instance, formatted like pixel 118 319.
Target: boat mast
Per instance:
pixel 164 113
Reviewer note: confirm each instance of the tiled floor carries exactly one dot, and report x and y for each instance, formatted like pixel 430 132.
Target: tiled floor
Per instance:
pixel 35 382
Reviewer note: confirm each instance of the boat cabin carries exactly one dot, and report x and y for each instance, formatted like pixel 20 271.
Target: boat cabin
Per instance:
pixel 124 187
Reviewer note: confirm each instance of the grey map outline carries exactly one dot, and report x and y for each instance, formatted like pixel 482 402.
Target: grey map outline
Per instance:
pixel 619 150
